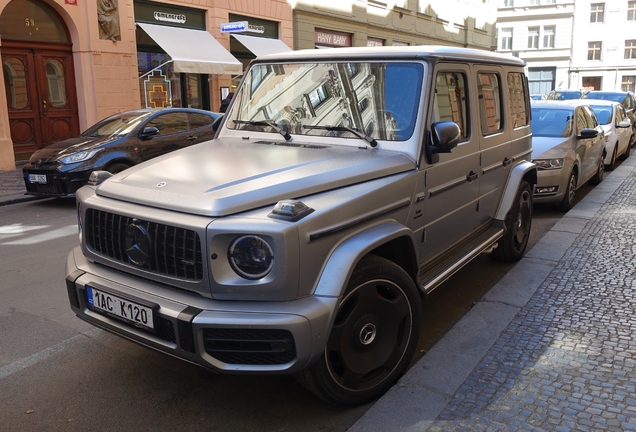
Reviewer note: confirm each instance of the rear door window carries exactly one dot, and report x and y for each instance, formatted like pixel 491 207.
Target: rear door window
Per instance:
pixel 450 102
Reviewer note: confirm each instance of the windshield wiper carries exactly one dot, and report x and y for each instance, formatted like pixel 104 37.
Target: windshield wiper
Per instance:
pixel 356 132
pixel 271 124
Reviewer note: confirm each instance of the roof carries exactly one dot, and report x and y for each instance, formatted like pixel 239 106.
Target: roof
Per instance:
pixel 417 52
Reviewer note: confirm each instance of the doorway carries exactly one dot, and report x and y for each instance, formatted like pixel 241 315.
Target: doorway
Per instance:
pixel 37 67
pixel 41 100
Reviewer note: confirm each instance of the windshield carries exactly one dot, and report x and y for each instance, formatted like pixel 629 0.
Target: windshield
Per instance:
pixel 379 100
pixel 548 122
pixel 557 95
pixel 603 114
pixel 117 125
pixel 616 97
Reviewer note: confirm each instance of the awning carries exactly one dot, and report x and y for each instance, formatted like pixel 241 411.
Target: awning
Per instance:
pixel 260 46
pixel 193 51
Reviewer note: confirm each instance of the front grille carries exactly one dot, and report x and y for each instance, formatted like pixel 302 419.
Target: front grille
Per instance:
pixel 250 346
pixel 173 251
pixel 46 189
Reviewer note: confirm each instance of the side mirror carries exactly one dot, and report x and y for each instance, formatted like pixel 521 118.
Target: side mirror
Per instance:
pixel 148 133
pixel 624 124
pixel 445 136
pixel 588 133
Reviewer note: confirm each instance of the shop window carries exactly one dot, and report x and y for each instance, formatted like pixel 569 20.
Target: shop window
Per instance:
pixel 592 83
pixel 489 102
pixel 628 83
pixel 517 98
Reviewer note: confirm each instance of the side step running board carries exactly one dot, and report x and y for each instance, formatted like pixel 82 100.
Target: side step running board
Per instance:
pixel 433 275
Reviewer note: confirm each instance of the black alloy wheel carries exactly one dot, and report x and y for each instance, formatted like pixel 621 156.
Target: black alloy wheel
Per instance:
pixel 568 199
pixel 373 338
pixel 598 177
pixel 512 245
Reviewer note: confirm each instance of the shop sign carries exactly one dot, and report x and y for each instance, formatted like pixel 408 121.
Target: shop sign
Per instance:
pixel 374 42
pixel 241 26
pixel 170 17
pixel 334 39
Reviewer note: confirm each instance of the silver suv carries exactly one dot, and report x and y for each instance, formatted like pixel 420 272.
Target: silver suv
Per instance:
pixel 341 186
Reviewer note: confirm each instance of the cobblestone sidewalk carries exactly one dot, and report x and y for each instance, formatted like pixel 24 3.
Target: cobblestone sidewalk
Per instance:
pixel 11 182
pixel 568 359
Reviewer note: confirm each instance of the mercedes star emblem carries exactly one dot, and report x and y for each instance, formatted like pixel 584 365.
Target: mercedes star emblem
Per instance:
pixel 138 244
pixel 161 184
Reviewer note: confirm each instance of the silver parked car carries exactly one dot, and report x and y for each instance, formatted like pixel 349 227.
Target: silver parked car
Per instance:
pixel 568 148
pixel 617 130
pixel 341 185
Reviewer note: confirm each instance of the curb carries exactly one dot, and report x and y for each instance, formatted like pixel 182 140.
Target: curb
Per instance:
pixel 418 398
pixel 18 198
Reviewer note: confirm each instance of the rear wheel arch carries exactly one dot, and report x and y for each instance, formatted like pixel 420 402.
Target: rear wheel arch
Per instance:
pixel 114 165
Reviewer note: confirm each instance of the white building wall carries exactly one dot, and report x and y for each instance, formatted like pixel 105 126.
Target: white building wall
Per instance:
pixel 520 15
pixel 612 33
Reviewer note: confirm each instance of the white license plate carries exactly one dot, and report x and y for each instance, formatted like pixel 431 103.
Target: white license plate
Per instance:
pixel 117 307
pixel 37 178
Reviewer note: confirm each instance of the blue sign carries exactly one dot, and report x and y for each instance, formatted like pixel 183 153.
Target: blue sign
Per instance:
pixel 234 27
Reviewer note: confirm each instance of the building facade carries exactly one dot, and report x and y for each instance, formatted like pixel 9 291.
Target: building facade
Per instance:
pixel 338 23
pixel 604 51
pixel 539 32
pixel 69 63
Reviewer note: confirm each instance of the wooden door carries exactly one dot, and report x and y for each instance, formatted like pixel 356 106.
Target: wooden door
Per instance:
pixel 41 97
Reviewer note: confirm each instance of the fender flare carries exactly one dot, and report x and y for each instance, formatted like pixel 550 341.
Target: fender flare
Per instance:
pixel 517 174
pixel 337 271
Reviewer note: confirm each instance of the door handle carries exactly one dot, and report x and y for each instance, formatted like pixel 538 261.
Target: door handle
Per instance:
pixel 472 176
pixel 44 104
pixel 191 138
pixel 507 161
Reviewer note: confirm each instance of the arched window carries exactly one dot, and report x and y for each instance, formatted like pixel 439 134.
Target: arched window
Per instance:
pixel 33 21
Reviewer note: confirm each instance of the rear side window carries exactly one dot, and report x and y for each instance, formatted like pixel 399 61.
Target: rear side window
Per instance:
pixel 170 123
pixel 489 102
pixel 518 97
pixel 450 100
pixel 198 120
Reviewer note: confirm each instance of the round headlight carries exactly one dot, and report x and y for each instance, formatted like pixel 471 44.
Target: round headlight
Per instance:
pixel 251 257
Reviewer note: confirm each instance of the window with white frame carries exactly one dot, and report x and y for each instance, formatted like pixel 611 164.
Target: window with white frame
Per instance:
pixel 629 83
pixel 630 49
pixel 548 36
pixel 505 39
pixel 594 50
pixel 631 11
pixel 509 3
pixel 597 12
pixel 533 37
pixel 534 2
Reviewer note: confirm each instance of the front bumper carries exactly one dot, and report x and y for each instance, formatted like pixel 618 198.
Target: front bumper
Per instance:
pixel 58 184
pixel 556 179
pixel 225 336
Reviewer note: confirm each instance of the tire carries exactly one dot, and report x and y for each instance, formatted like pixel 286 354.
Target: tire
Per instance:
pixel 598 177
pixel 628 150
pixel 117 167
pixel 373 338
pixel 512 245
pixel 612 163
pixel 568 199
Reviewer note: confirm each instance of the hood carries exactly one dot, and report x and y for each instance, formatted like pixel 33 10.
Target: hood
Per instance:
pixel 69 146
pixel 550 147
pixel 223 177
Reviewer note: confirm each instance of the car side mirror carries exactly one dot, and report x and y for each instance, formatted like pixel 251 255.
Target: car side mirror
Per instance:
pixel 443 137
pixel 148 133
pixel 624 124
pixel 588 133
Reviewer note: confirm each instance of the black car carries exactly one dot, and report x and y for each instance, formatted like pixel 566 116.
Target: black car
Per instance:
pixel 625 98
pixel 114 144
